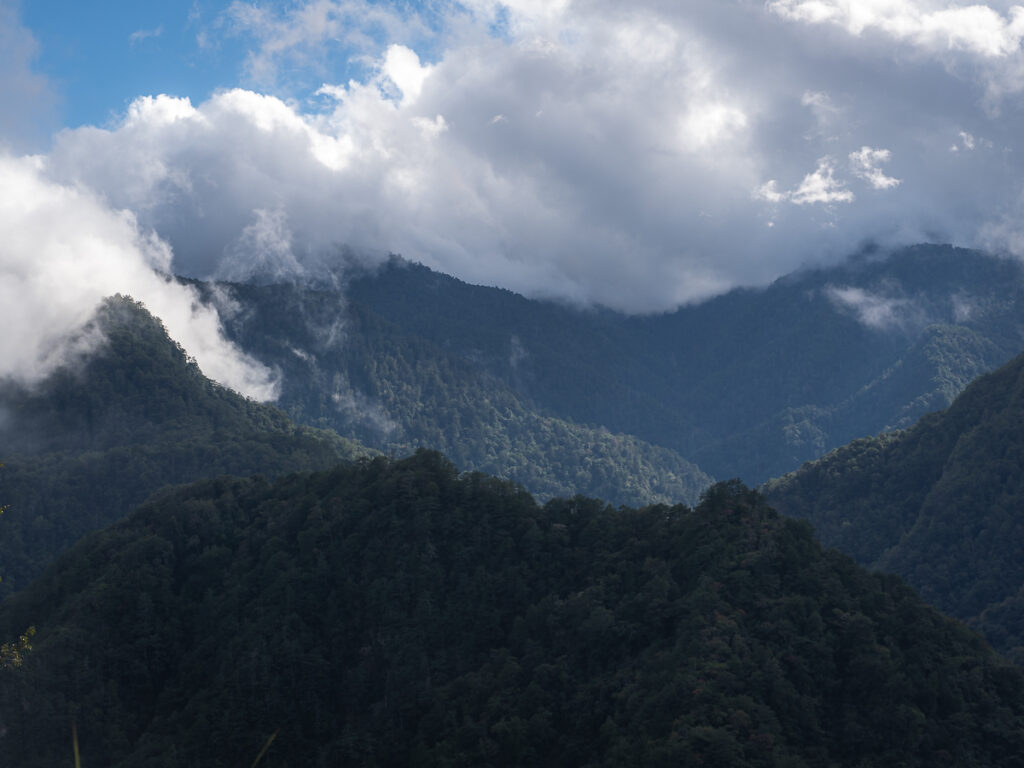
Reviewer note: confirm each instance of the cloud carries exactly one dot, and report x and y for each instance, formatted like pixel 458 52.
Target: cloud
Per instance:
pixel 304 34
pixel 865 162
pixel 872 309
pixel 63 251
pixel 141 35
pixel 977 29
pixel 817 187
pixel 637 155
pixel 975 41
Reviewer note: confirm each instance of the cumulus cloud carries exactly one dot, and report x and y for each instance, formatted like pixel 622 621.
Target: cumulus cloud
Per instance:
pixel 63 251
pixel 984 40
pixel 638 155
pixel 978 29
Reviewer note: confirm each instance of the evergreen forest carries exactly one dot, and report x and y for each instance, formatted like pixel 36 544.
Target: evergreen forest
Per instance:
pixel 401 613
pixel 477 529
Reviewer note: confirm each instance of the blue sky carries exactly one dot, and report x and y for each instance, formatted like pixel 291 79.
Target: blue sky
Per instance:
pixel 100 57
pixel 97 67
pixel 636 155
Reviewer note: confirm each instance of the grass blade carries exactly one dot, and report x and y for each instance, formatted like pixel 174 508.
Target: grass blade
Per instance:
pixel 265 748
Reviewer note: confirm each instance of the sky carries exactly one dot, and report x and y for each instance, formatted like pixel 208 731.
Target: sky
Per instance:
pixel 637 155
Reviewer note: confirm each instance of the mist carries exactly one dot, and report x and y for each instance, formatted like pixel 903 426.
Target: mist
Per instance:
pixel 64 250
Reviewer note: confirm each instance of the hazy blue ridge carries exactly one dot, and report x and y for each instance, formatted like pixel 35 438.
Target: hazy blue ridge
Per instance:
pixel 749 384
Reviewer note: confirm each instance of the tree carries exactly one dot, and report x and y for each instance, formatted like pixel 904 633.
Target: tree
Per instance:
pixel 12 654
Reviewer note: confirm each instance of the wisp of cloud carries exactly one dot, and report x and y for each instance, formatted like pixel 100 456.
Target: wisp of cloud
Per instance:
pixel 64 250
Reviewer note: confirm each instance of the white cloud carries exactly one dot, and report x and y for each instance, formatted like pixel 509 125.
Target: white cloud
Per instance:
pixel 821 187
pixel 64 251
pixel 818 187
pixel 710 123
pixel 402 66
pixel 872 309
pixel 141 35
pixel 977 29
pixel 593 151
pixel 865 162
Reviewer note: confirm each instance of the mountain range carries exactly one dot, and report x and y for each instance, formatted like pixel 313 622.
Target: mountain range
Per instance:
pixel 750 384
pixel 381 611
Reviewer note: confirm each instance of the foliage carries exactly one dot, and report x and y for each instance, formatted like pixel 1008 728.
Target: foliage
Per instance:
pixel 359 374
pixel 940 504
pixel 749 384
pixel 12 655
pixel 93 441
pixel 399 613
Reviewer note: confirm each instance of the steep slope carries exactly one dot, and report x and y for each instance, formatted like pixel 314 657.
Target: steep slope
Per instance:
pixel 391 613
pixel 90 443
pixel 752 383
pixel 940 504
pixel 347 368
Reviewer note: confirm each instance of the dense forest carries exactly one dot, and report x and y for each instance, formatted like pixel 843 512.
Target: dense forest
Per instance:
pixel 89 444
pixel 750 384
pixel 940 504
pixel 399 613
pixel 346 368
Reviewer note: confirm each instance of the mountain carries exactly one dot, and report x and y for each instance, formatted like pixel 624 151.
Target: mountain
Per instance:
pixel 347 368
pixel 399 613
pixel 83 448
pixel 749 384
pixel 939 504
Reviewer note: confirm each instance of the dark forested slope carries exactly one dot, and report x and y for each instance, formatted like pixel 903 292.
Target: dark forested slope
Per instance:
pixel 397 613
pixel 749 384
pixel 941 504
pixel 86 446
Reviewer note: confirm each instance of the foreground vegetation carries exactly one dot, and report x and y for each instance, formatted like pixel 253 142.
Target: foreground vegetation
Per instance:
pixel 398 613
pixel 939 504
pixel 91 443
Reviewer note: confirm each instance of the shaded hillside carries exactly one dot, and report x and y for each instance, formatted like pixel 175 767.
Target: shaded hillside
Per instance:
pixel 749 384
pixel 90 443
pixel 347 368
pixel 941 504
pixel 397 613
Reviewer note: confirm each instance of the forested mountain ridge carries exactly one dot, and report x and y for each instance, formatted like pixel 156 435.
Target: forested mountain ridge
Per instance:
pixel 940 504
pixel 750 384
pixel 398 613
pixel 348 368
pixel 84 447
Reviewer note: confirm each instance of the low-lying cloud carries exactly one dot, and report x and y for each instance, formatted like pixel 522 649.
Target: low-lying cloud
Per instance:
pixel 63 251
pixel 875 310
